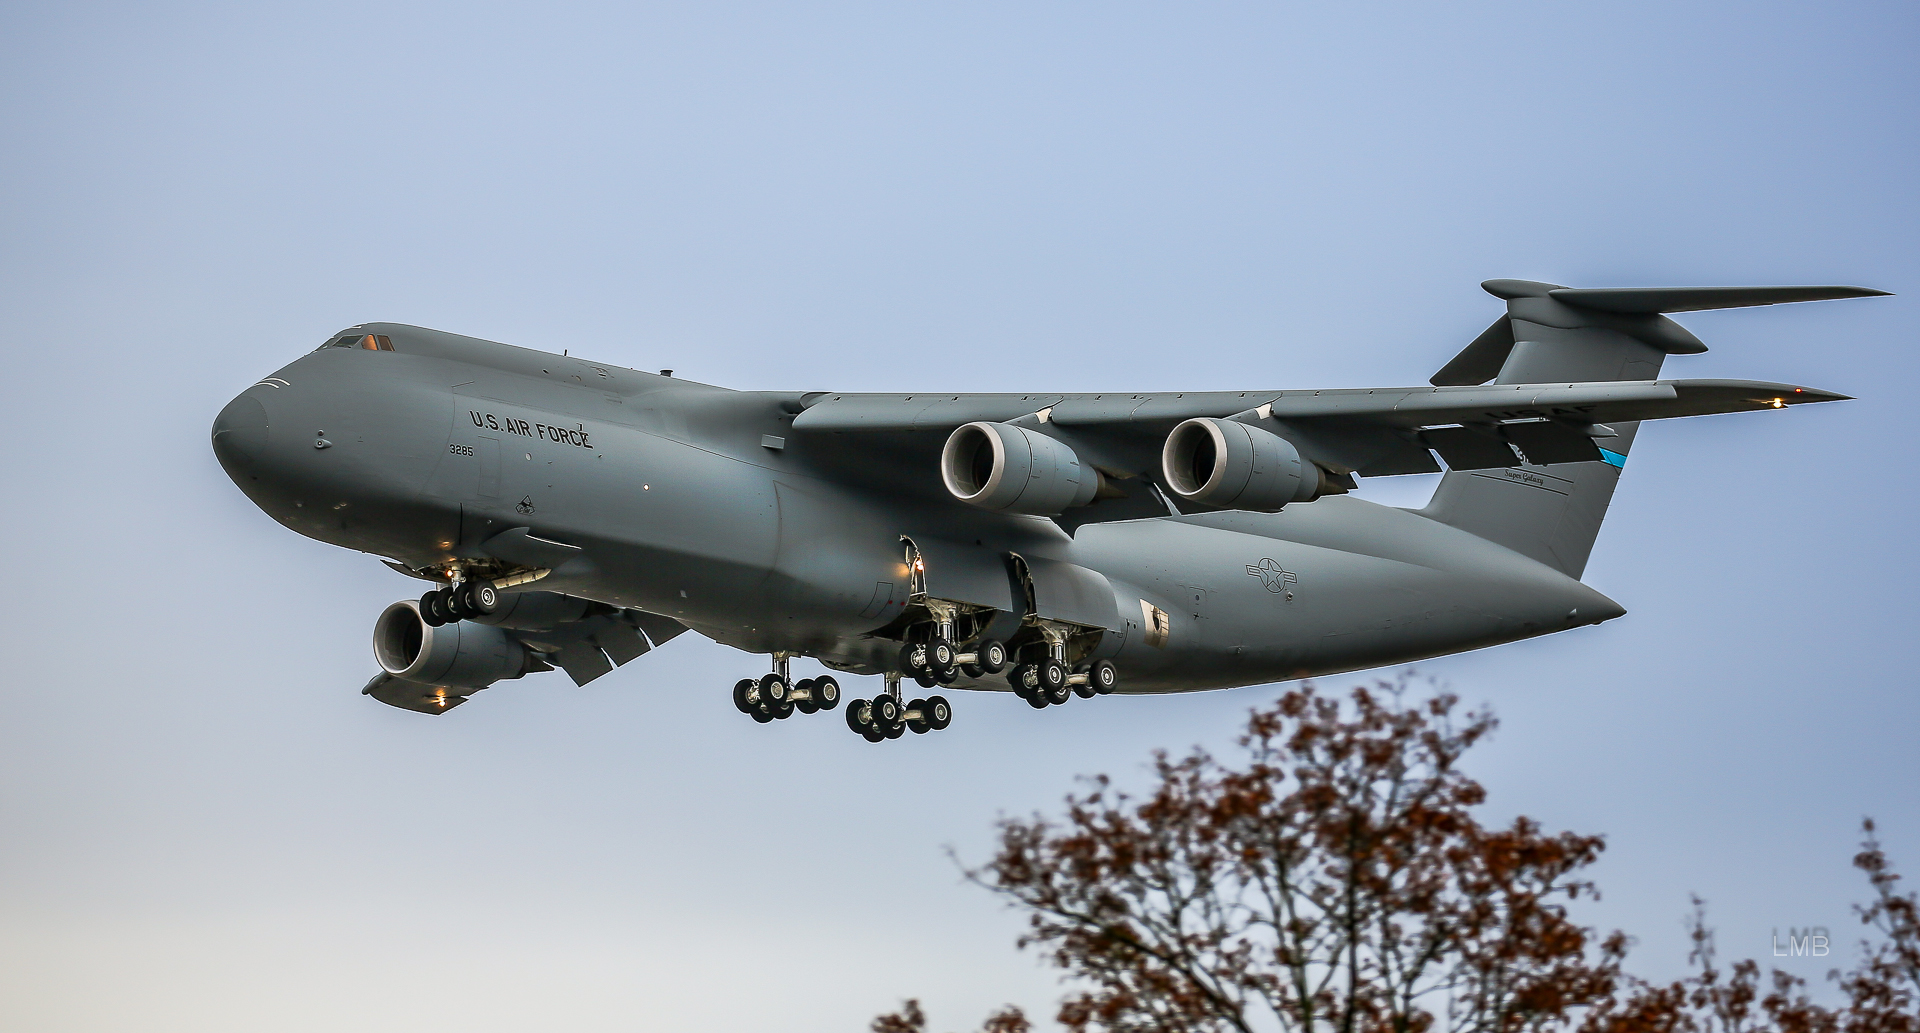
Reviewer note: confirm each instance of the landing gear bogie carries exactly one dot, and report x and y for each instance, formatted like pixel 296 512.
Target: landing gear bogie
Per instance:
pixel 1048 682
pixel 773 697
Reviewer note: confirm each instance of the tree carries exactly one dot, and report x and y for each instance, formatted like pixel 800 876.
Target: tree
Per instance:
pixel 1337 880
pixel 1882 991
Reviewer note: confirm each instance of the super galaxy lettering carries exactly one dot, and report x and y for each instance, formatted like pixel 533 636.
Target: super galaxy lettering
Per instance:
pixel 577 435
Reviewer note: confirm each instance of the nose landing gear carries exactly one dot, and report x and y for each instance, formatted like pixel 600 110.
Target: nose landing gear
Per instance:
pixel 774 696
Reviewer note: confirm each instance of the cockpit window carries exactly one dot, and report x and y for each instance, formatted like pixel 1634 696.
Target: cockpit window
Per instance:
pixel 369 342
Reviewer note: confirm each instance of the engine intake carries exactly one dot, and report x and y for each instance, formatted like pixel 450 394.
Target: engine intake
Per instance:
pixel 1003 467
pixel 1231 465
pixel 462 654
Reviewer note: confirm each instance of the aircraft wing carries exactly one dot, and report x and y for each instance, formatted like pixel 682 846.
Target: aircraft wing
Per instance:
pixel 1369 431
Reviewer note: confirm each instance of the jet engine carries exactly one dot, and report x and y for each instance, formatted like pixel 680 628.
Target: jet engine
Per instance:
pixel 1003 467
pixel 462 654
pixel 1232 465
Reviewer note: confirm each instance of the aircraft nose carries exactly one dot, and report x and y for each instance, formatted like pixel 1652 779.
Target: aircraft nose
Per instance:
pixel 241 432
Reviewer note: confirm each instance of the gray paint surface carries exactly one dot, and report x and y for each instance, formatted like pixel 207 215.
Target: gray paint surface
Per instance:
pixel 748 518
pixel 883 201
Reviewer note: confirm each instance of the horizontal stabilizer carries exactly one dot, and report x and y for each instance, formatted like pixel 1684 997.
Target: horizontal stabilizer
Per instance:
pixel 1553 333
pixel 1652 300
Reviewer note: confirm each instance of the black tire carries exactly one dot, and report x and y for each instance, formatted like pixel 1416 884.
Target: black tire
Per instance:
pixel 926 680
pixel 826 692
pixel 760 716
pixel 455 602
pixel 1104 677
pixel 430 609
pixel 859 717
pixel 912 658
pixel 743 697
pixel 886 711
pixel 1025 680
pixel 774 689
pixel 897 731
pixel 973 670
pixel 1085 690
pixel 781 710
pixel 1053 674
pixel 941 656
pixel 484 597
pixel 992 655
pixel 803 696
pixel 919 724
pixel 1037 700
pixel 939 712
pixel 872 734
pixel 948 678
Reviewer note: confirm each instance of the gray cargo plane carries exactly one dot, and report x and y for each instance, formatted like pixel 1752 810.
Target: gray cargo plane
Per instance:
pixel 576 514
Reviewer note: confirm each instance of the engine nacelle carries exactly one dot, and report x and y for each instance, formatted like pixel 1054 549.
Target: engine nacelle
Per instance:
pixel 1003 467
pixel 1231 465
pixel 462 654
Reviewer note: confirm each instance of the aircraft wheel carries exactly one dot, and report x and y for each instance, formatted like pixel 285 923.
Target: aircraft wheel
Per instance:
pixel 940 656
pixel 826 692
pixel 925 679
pixel 1085 691
pixel 1104 677
pixel 484 597
pixel 430 613
pixel 972 670
pixel 919 724
pixel 743 696
pixel 454 602
pixel 913 658
pixel 872 734
pixel 803 696
pixel 782 709
pixel 993 656
pixel 1053 674
pixel 948 678
pixel 1037 699
pixel 897 730
pixel 1025 680
pixel 760 716
pixel 939 713
pixel 774 689
pixel 859 716
pixel 886 712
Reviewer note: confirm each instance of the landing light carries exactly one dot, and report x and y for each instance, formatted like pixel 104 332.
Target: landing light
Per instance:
pixel 1779 403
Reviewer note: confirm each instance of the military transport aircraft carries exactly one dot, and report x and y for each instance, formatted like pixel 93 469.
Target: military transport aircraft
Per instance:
pixel 576 514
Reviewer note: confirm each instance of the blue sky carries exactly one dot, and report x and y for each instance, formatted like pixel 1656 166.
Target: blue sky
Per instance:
pixel 208 829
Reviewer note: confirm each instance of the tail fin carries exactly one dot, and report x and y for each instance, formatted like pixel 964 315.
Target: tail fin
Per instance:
pixel 1554 334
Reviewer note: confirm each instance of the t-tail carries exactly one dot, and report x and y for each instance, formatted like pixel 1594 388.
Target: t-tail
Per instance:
pixel 1551 512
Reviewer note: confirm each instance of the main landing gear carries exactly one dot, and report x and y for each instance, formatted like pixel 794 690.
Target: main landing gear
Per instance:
pixel 463 600
pixel 937 661
pixel 884 717
pixel 774 697
pixel 1049 683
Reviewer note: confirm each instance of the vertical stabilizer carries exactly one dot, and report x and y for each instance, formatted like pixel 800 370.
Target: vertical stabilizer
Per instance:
pixel 1554 334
